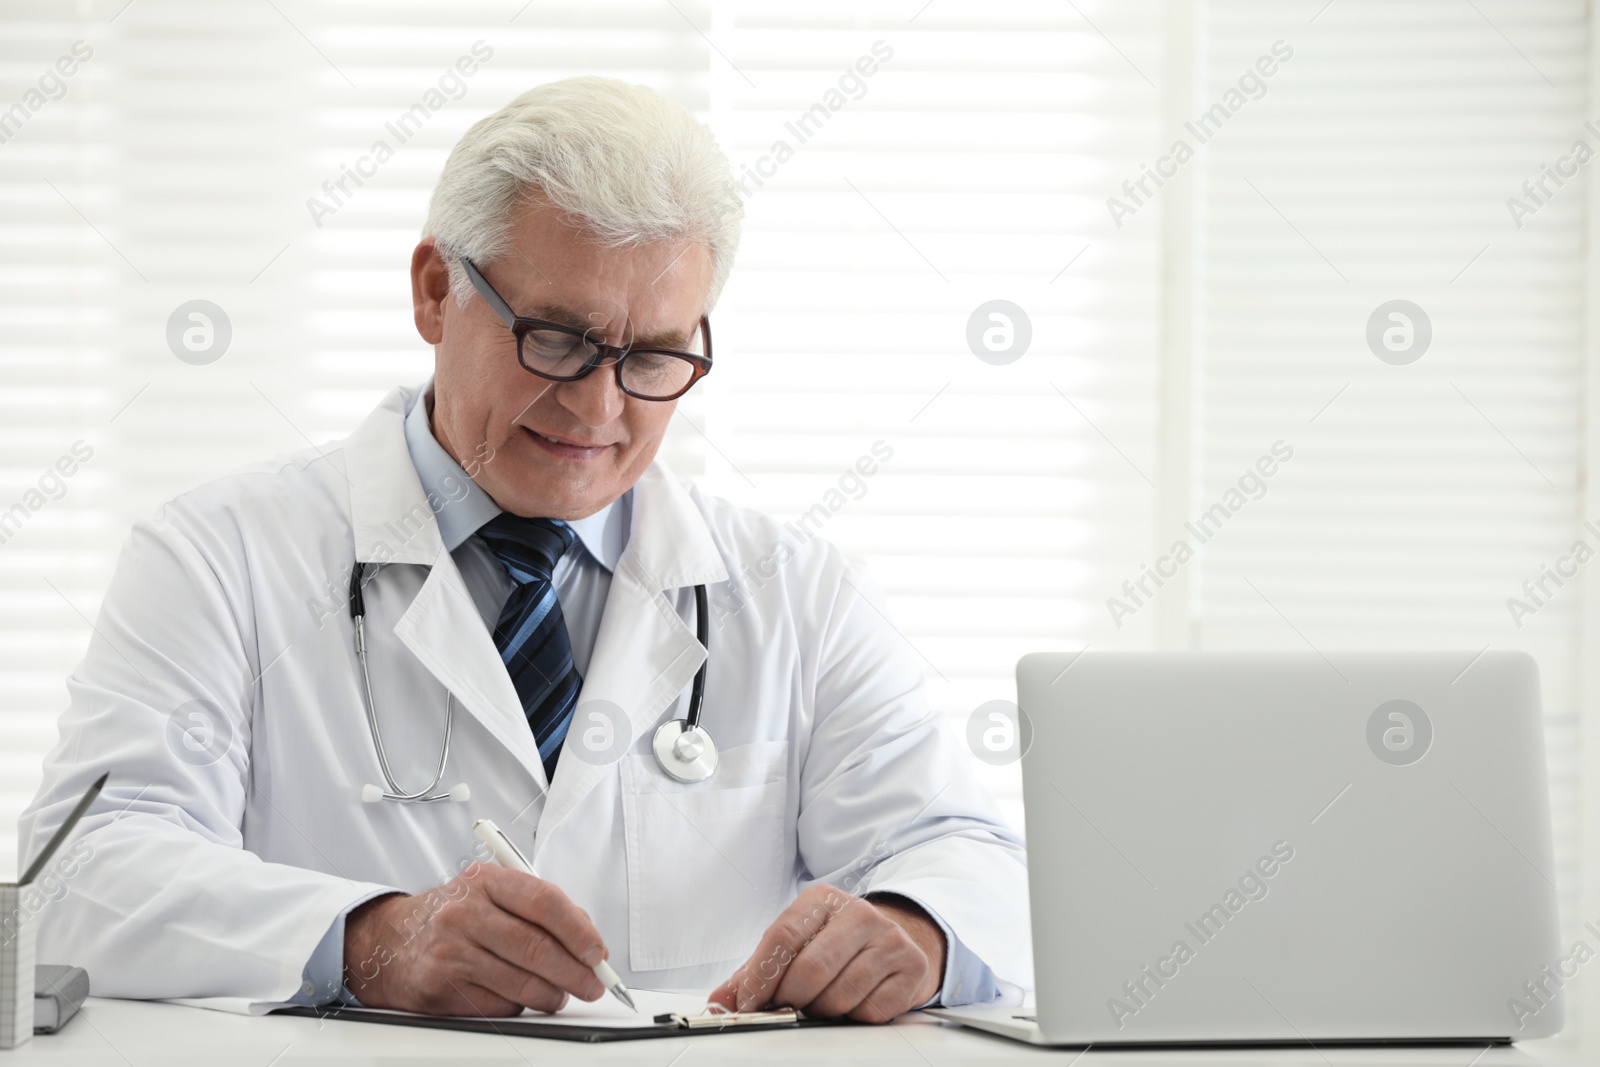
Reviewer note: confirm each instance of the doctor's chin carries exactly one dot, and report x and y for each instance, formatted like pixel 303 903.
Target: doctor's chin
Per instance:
pixel 481 709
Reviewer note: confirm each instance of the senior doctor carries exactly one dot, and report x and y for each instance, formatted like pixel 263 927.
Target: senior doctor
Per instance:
pixel 528 572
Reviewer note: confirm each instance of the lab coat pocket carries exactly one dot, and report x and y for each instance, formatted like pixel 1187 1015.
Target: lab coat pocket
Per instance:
pixel 706 861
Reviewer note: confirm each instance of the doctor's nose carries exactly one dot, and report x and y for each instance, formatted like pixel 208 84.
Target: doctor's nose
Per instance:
pixel 594 399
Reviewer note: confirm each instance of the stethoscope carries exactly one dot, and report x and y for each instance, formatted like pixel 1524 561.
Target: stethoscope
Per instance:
pixel 371 794
pixel 683 747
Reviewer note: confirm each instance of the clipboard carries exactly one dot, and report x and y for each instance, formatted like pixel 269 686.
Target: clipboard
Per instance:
pixel 671 1024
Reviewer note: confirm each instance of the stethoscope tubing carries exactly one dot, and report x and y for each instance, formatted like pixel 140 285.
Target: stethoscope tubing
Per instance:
pixel 702 627
pixel 358 613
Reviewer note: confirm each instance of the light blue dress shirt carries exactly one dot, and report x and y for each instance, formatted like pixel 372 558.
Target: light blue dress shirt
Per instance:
pixel 582 581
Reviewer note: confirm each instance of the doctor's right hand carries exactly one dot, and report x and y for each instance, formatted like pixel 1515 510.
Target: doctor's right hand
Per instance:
pixel 490 941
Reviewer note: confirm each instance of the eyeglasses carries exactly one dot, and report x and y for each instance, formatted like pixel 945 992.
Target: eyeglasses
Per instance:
pixel 564 354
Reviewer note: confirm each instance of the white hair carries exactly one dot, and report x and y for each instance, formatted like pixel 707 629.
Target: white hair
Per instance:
pixel 620 160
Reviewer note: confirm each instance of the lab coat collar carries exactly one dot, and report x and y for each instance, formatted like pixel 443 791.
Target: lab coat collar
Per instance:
pixel 391 517
pixel 670 546
pixel 645 655
pixel 393 521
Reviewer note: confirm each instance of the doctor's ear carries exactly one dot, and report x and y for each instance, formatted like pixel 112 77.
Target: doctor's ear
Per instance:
pixel 430 288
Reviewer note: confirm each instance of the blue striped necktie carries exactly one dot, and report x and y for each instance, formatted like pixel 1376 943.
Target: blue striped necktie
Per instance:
pixel 531 634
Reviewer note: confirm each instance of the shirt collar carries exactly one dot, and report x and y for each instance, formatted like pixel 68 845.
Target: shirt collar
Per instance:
pixel 461 506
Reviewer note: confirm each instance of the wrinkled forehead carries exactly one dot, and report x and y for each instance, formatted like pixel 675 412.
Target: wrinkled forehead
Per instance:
pixel 640 293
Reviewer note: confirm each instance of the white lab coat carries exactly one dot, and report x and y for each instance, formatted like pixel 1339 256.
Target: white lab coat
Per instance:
pixel 213 879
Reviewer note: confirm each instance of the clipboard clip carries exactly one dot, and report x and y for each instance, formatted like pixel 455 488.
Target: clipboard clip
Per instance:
pixel 716 1017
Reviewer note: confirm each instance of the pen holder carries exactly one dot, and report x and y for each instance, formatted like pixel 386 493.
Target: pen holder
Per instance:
pixel 16 968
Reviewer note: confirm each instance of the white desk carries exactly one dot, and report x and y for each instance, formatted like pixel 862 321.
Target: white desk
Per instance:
pixel 119 1033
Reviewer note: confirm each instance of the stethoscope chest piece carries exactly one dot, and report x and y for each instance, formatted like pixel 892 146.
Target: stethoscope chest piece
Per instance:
pixel 682 746
pixel 685 752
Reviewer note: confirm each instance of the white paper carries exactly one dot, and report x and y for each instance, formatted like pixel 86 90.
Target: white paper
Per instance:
pixel 608 1010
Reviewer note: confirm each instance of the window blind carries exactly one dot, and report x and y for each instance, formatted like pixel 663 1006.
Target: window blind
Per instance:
pixel 1379 165
pixel 57 359
pixel 901 170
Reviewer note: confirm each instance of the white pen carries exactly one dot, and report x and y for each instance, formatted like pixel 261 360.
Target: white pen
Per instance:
pixel 510 856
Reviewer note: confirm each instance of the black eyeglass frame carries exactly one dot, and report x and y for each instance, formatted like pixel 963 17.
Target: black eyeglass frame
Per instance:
pixel 520 326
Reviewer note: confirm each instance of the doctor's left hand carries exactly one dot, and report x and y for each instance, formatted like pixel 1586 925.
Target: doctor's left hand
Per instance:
pixel 491 941
pixel 831 953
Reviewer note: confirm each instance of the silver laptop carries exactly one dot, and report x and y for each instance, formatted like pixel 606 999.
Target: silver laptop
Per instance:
pixel 1265 847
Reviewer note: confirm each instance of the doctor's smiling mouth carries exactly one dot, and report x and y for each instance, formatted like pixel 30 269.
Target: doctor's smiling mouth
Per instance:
pixel 775 815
